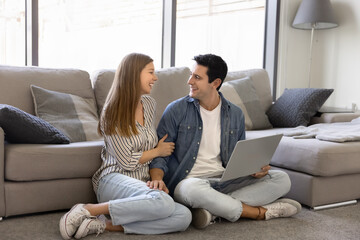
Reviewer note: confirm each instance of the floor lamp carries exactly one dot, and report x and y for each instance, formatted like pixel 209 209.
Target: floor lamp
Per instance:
pixel 311 15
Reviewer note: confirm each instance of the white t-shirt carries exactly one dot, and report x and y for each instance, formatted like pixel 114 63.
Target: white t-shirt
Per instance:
pixel 208 162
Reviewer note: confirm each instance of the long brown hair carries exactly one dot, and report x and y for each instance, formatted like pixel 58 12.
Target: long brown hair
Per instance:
pixel 118 115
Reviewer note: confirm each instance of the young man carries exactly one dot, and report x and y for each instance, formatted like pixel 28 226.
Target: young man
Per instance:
pixel 205 128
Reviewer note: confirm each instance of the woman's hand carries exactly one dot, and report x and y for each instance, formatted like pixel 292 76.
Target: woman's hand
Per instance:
pixel 165 148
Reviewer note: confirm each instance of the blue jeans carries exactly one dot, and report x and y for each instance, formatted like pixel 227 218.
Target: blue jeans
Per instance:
pixel 225 199
pixel 139 209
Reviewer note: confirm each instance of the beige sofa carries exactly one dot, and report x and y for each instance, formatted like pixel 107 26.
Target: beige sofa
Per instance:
pixel 46 177
pixel 322 172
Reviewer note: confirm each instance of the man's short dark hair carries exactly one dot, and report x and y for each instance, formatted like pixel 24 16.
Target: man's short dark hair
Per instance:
pixel 217 67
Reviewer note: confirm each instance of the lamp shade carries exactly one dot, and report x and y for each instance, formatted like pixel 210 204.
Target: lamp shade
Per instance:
pixel 317 14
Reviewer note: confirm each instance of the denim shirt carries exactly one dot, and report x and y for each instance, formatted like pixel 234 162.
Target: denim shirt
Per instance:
pixel 182 122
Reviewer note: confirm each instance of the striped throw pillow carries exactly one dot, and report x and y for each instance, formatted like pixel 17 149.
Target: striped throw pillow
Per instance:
pixel 242 93
pixel 75 116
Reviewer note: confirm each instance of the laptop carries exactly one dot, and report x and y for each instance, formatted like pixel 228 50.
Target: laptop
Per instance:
pixel 249 156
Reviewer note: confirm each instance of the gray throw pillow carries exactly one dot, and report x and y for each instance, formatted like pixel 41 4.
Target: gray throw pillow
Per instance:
pixel 296 106
pixel 22 127
pixel 75 116
pixel 242 93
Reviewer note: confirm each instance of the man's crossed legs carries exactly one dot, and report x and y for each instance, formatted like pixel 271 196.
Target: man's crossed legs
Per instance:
pixel 245 197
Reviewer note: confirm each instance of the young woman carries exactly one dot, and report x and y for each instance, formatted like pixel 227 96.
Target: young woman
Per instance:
pixel 131 143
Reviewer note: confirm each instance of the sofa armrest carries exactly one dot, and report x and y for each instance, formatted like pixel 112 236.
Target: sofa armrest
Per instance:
pixel 334 117
pixel 2 173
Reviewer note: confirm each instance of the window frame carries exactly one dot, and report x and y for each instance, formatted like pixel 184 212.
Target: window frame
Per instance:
pixel 31 33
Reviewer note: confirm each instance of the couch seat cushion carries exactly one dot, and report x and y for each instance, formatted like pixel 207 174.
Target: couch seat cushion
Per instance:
pixel 312 156
pixel 30 162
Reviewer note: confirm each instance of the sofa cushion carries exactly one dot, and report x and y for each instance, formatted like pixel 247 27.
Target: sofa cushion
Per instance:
pixel 242 93
pixel 261 83
pixel 312 156
pixel 171 85
pixel 32 162
pixel 22 127
pixel 15 84
pixel 334 117
pixel 75 116
pixel 102 81
pixel 296 106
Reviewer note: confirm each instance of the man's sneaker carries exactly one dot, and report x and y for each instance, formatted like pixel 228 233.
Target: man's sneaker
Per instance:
pixel 90 226
pixel 282 208
pixel 201 218
pixel 292 202
pixel 70 222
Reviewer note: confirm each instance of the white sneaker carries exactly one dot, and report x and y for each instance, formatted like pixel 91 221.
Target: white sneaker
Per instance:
pixel 70 222
pixel 90 226
pixel 292 202
pixel 201 218
pixel 281 208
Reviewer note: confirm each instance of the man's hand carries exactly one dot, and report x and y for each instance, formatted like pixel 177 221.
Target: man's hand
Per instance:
pixel 158 184
pixel 263 173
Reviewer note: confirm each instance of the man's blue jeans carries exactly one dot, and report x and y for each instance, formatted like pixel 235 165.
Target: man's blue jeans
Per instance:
pixel 139 209
pixel 225 199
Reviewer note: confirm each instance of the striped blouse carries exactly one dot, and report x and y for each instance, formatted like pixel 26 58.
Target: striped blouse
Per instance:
pixel 121 154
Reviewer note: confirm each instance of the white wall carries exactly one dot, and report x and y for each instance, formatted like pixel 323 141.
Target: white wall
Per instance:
pixel 335 56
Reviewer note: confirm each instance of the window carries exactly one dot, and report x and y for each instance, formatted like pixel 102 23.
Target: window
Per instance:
pixel 12 29
pixel 231 29
pixel 93 34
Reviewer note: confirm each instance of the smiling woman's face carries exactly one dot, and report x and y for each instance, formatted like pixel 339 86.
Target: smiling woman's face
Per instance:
pixel 147 78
